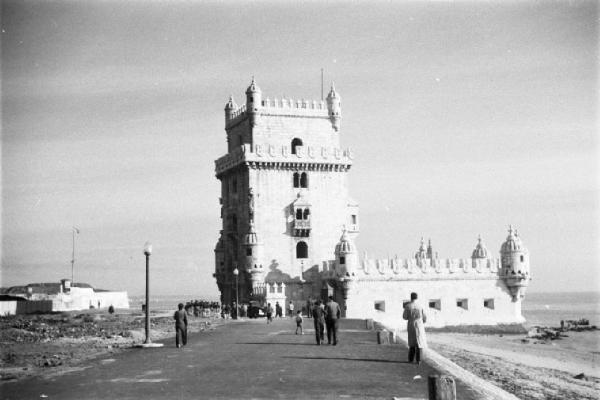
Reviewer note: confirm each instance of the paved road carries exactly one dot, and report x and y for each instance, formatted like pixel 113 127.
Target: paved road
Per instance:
pixel 245 360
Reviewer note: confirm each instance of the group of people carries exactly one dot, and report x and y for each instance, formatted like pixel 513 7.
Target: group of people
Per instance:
pixel 277 312
pixel 202 308
pixel 326 318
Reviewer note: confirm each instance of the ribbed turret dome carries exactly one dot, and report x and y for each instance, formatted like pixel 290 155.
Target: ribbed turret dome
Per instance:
pixel 231 104
pixel 253 87
pixel 332 93
pixel 345 245
pixel 513 242
pixel 480 250
pixel 251 238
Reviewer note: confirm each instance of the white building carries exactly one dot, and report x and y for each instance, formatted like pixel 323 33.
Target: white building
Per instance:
pixel 284 201
pixel 62 296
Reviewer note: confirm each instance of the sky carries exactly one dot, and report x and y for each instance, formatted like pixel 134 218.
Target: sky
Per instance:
pixel 465 117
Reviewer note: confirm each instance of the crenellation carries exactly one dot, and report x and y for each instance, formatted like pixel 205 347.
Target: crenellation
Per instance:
pixel 449 268
pixel 271 153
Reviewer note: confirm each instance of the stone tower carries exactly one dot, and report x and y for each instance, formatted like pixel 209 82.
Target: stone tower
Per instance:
pixel 284 199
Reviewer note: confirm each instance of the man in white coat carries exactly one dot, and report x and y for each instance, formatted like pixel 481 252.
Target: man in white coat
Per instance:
pixel 415 316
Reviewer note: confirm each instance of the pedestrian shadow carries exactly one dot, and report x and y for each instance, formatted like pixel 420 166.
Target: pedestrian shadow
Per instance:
pixel 348 359
pixel 285 343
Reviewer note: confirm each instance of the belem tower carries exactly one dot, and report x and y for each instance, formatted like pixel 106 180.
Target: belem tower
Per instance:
pixel 289 226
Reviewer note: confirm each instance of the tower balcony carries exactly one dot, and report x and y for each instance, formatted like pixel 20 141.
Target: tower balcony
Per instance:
pixel 302 227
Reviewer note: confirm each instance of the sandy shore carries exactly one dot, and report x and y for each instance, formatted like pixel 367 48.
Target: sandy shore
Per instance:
pixel 528 368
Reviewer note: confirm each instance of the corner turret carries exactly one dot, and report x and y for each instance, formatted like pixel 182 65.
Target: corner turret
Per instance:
pixel 346 258
pixel 334 107
pixel 253 101
pixel 253 256
pixel 514 259
pixel 230 107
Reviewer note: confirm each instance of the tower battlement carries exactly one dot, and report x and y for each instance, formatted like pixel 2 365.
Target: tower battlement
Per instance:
pixel 317 156
pixel 257 107
pixel 449 268
pixel 280 107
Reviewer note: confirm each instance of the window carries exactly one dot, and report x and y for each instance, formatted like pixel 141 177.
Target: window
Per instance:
pixel 306 213
pixel 304 180
pixel 272 288
pixel 462 303
pixel 249 251
pixel 279 288
pixel 233 222
pixel 353 219
pixel 301 250
pixel 522 258
pixel 299 213
pixel 295 143
pixel 380 305
pixel 435 304
pixel 296 180
pixel 234 185
pixel 342 260
pixel 488 303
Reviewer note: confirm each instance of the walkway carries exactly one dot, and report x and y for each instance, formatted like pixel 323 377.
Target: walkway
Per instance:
pixel 246 360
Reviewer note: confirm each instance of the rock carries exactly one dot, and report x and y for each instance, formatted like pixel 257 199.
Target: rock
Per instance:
pixel 581 376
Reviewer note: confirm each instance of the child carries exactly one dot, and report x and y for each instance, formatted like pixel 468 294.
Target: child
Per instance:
pixel 299 323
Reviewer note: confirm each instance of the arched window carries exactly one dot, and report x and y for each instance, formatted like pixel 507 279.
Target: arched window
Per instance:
pixel 301 250
pixel 296 142
pixel 296 180
pixel 306 213
pixel 304 180
pixel 522 259
pixel 299 213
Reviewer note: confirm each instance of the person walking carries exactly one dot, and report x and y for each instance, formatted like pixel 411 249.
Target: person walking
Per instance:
pixel 269 313
pixel 299 322
pixel 332 315
pixel 319 320
pixel 291 309
pixel 413 313
pixel 278 310
pixel 181 322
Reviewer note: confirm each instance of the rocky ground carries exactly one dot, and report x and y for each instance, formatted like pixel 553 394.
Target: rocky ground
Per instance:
pixel 530 369
pixel 45 344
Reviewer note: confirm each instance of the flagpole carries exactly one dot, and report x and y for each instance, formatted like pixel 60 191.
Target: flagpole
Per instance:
pixel 73 259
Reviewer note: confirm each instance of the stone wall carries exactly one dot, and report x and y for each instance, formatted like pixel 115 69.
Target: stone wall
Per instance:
pixel 483 301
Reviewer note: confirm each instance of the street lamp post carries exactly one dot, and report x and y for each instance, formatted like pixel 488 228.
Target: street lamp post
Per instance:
pixel 147 252
pixel 148 343
pixel 236 272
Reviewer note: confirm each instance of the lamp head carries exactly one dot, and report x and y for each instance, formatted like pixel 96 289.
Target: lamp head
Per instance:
pixel 148 248
pixel 236 271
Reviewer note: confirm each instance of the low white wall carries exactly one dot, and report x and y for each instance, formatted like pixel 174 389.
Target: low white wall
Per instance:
pixel 86 298
pixel 24 307
pixel 8 308
pixel 393 294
